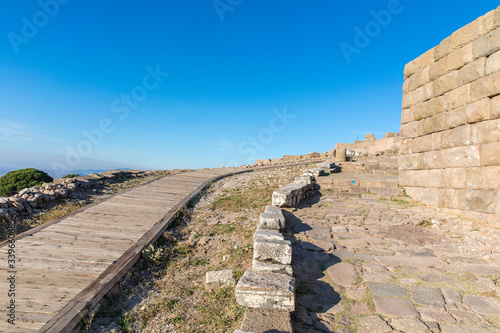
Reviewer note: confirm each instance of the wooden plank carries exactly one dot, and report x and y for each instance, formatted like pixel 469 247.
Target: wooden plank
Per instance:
pixel 125 227
pixel 20 327
pixel 75 235
pixel 84 232
pixel 104 245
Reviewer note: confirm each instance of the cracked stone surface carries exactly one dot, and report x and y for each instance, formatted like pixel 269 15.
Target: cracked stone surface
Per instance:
pixel 428 296
pixel 394 265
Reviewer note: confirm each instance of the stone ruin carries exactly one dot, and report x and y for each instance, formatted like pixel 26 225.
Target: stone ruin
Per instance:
pixel 450 123
pixel 447 153
pixel 268 290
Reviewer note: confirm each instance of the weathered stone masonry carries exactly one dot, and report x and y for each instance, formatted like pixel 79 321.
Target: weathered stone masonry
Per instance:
pixel 450 123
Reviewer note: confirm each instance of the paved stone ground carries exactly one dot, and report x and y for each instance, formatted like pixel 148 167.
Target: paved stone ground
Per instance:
pixel 371 265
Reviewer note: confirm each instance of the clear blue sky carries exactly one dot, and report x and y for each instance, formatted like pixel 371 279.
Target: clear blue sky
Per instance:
pixel 66 72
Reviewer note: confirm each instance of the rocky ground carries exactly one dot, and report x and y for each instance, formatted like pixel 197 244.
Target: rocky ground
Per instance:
pixel 37 205
pixel 165 291
pixel 372 265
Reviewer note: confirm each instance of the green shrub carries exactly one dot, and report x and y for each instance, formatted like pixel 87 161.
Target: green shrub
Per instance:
pixel 71 175
pixel 15 181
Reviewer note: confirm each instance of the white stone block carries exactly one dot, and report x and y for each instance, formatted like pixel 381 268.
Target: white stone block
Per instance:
pixel 217 279
pixel 267 291
pixel 277 251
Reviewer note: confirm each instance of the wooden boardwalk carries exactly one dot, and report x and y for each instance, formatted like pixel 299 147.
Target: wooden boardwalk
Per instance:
pixel 64 268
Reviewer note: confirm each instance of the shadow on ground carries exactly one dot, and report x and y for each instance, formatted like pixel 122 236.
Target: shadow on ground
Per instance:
pixel 309 261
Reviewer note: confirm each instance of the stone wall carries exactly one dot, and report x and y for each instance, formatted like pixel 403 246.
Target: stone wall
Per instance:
pixel 450 123
pixel 370 145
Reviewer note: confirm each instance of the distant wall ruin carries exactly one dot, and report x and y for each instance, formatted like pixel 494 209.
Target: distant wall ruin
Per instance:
pixel 450 123
pixel 370 145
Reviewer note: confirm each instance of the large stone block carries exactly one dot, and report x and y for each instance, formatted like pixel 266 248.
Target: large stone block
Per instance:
pixel 490 154
pixel 428 90
pixel 467 156
pixel 449 198
pixel 273 250
pixel 478 111
pixel 466 34
pixel 473 71
pixel 492 176
pixel 455 60
pixel 455 178
pixel 402 178
pixel 409 130
pixel 435 178
pixel 491 20
pixel 407 102
pixel 438 69
pixel 445 83
pixel 405 146
pixel 418 95
pixel 417 80
pixel 434 138
pixel 457 97
pixel 456 117
pixel 268 291
pixel 430 125
pixel 305 178
pixel 443 49
pixel 421 62
pixel 406 116
pixel 487 45
pixel 406 86
pixel 481 201
pixel 411 161
pixel 290 194
pixel 488 86
pixel 417 178
pixel 271 221
pixel 493 63
pixel 461 136
pixel 217 279
pixel 485 131
pixel 446 140
pixel 418 111
pixel 435 123
pixel 431 196
pixel 422 144
pixel 476 178
pixel 434 106
pixel 432 160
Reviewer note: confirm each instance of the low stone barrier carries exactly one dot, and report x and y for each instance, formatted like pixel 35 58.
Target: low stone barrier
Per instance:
pixel 270 285
pixel 31 198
